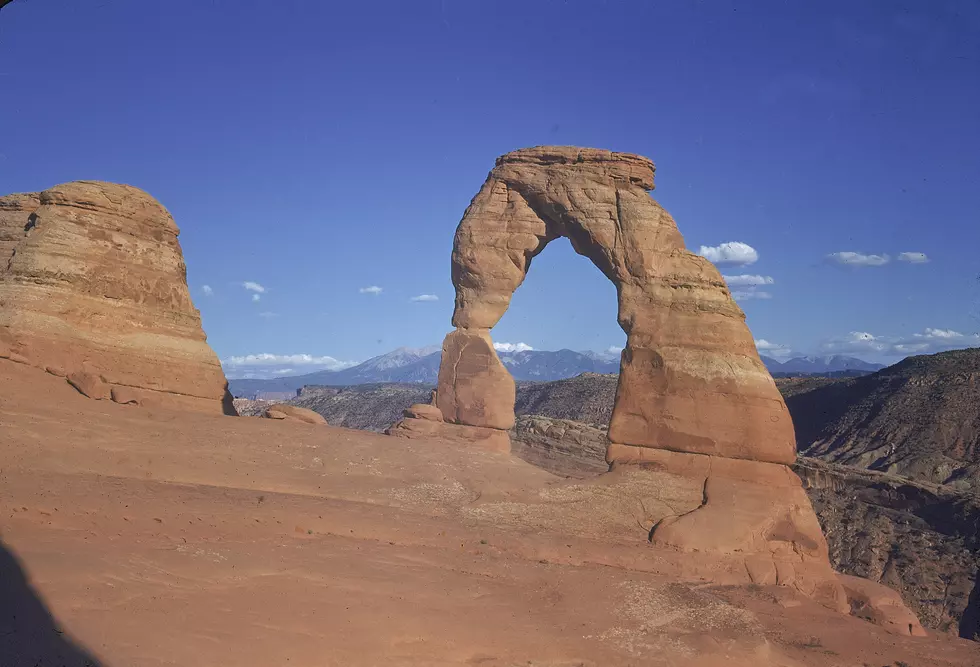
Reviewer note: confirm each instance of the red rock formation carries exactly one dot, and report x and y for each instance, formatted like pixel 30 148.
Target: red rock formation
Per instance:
pixel 881 605
pixel 694 406
pixel 293 413
pixel 93 286
pixel 691 379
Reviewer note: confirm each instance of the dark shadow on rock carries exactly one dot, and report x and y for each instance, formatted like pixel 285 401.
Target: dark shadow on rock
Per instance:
pixel 228 403
pixel 970 623
pixel 29 635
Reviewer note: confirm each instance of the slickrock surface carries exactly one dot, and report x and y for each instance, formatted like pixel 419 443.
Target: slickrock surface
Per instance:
pixel 92 280
pixel 691 379
pixel 918 538
pixel 159 538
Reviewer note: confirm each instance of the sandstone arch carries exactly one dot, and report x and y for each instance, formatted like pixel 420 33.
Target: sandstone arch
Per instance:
pixel 691 379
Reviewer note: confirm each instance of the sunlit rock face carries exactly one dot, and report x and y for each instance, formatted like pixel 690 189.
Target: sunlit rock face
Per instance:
pixel 93 286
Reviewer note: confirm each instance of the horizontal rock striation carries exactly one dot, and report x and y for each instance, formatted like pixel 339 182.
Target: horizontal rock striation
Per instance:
pixel 93 281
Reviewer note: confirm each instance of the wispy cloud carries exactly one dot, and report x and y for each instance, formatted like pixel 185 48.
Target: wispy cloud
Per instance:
pixel 747 294
pixel 256 297
pixel 857 259
pixel 746 280
pixel 930 341
pixel 253 287
pixel 512 347
pixel 268 315
pixel 265 365
pixel 913 257
pixel 373 289
pixel 733 253
pixel 425 297
pixel 772 349
pixel 207 290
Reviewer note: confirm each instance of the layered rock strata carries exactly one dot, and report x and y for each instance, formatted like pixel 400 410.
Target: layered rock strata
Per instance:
pixel 93 287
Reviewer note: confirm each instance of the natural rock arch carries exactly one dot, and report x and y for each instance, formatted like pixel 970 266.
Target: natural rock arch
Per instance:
pixel 690 380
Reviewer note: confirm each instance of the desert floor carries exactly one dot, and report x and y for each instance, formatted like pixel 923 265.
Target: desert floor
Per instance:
pixel 133 536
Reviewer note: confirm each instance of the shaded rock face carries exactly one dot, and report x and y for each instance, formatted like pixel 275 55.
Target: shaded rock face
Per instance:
pixel 92 280
pixel 921 539
pixel 919 418
pixel 562 446
pixel 690 380
pixel 372 407
pixel 588 398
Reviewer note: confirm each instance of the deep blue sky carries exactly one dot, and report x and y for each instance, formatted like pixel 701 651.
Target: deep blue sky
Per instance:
pixel 318 148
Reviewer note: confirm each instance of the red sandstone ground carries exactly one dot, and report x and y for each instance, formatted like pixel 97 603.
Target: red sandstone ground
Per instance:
pixel 167 538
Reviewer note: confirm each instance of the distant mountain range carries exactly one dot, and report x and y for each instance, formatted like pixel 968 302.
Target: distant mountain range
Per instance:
pixel 831 365
pixel 421 365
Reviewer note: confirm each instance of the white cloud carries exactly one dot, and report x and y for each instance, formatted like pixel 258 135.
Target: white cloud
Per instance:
pixel 848 258
pixel 746 280
pixel 207 290
pixel 373 289
pixel 913 257
pixel 253 287
pixel 614 349
pixel 733 253
pixel 940 333
pixel 256 297
pixel 425 297
pixel 744 295
pixel 267 365
pixel 772 349
pixel 512 347
pixel 929 341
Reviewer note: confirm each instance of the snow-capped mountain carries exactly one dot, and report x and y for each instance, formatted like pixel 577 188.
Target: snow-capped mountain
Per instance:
pixel 814 365
pixel 421 365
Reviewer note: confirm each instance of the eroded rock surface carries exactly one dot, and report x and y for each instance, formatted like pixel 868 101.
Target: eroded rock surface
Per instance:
pixel 880 605
pixel 93 282
pixel 490 439
pixel 293 413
